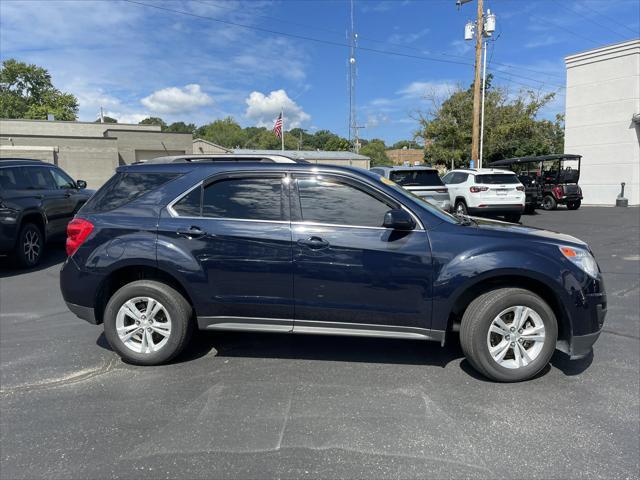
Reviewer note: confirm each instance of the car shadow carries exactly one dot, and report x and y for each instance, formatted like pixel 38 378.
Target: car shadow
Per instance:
pixel 571 367
pixel 54 254
pixel 316 347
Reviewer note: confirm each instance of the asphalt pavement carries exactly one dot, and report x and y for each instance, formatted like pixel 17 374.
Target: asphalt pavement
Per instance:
pixel 245 405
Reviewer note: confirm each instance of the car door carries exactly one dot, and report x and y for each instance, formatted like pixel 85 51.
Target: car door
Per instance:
pixel 71 192
pixel 230 239
pixel 55 202
pixel 349 271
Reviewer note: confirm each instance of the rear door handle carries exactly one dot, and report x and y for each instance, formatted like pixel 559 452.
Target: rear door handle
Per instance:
pixel 191 232
pixel 314 243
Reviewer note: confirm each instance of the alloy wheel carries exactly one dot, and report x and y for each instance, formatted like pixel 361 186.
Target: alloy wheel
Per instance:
pixel 143 325
pixel 31 246
pixel 516 337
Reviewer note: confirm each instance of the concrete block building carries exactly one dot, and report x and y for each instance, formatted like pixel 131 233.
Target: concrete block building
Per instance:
pixel 602 121
pixel 88 151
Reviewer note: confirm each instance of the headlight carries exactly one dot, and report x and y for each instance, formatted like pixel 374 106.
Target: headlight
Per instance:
pixel 582 259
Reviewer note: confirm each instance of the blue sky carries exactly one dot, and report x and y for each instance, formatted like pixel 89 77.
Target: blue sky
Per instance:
pixel 177 63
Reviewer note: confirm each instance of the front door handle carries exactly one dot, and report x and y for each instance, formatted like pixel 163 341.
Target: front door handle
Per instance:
pixel 314 243
pixel 191 232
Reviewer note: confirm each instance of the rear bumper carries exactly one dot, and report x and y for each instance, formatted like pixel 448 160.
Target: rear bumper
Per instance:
pixel 569 198
pixel 79 290
pixel 496 209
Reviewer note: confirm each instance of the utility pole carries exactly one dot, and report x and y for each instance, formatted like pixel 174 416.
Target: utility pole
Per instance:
pixel 353 118
pixel 475 134
pixel 481 31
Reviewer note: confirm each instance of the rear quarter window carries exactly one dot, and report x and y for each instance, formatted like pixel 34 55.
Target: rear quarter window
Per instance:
pixel 497 178
pixel 14 179
pixel 123 188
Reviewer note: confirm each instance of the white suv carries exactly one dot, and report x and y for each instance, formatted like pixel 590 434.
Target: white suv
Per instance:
pixel 486 191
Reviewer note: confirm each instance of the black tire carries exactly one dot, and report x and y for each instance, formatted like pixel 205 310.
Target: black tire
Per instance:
pixel 549 202
pixel 29 246
pixel 479 316
pixel 513 217
pixel 529 209
pixel 574 205
pixel 179 310
pixel 460 208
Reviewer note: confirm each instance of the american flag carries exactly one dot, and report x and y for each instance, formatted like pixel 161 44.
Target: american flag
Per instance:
pixel 277 127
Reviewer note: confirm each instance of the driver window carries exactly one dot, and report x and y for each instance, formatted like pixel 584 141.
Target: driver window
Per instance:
pixel 332 202
pixel 62 180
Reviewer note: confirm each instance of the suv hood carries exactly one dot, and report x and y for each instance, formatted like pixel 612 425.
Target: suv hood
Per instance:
pixel 489 225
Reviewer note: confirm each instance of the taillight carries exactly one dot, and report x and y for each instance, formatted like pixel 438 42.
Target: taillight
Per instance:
pixel 78 230
pixel 478 189
pixel 558 191
pixel 520 188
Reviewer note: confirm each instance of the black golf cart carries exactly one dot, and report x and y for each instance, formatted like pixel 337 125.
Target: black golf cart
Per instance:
pixel 548 181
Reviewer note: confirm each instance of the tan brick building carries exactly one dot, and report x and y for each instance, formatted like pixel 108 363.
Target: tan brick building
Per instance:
pixel 411 156
pixel 85 150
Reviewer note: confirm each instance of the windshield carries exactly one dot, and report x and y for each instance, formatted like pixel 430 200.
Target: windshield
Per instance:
pixel 497 178
pixel 413 178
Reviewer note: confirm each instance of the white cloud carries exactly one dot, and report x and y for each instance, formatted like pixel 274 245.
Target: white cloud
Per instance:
pixel 174 100
pixel 418 90
pixel 127 117
pixel 263 109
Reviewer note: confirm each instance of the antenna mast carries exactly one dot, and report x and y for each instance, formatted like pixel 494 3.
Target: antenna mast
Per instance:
pixel 353 119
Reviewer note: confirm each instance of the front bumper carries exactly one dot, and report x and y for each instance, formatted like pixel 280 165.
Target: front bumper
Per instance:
pixel 588 327
pixel 85 313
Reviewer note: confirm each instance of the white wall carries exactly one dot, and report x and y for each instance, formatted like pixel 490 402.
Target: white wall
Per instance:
pixel 603 94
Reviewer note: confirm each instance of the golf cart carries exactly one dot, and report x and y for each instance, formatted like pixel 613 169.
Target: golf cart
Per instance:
pixel 548 180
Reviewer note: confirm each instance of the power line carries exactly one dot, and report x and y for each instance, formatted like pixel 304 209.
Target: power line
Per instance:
pixel 313 39
pixel 571 10
pixel 611 19
pixel 367 38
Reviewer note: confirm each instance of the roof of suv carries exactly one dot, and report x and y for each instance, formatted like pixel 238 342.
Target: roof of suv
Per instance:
pixel 404 169
pixel 223 157
pixel 236 166
pixel 481 171
pixel 19 162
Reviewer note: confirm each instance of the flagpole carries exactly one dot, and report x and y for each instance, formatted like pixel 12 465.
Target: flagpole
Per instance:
pixel 282 136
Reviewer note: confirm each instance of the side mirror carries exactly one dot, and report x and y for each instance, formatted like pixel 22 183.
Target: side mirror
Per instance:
pixel 81 184
pixel 399 219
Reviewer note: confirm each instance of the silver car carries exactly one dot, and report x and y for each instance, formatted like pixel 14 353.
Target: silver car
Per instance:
pixel 421 181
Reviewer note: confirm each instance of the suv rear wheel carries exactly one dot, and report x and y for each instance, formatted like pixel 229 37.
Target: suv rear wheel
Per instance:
pixel 508 334
pixel 147 322
pixel 30 246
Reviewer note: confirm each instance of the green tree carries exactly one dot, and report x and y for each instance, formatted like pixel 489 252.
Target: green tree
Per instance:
pixel 375 149
pixel 511 127
pixel 181 127
pixel 26 91
pixel 225 132
pixel 106 119
pixel 154 121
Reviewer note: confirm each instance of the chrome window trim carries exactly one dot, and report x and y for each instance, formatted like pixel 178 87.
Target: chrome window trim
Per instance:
pixel 170 209
pixel 337 225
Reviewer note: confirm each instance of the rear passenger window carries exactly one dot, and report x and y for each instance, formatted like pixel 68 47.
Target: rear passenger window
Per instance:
pixel 41 178
pixel 245 198
pixel 14 179
pixel 124 188
pixel 189 205
pixel 336 203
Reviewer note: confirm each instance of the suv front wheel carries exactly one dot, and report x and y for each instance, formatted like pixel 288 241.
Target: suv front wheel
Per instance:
pixel 147 322
pixel 508 334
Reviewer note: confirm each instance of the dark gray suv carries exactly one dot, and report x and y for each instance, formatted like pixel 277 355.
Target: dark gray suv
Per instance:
pixel 37 200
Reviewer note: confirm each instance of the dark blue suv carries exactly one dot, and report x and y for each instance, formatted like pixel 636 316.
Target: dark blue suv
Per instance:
pixel 163 249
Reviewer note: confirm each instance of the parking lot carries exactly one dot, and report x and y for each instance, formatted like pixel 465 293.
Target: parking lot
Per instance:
pixel 263 405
